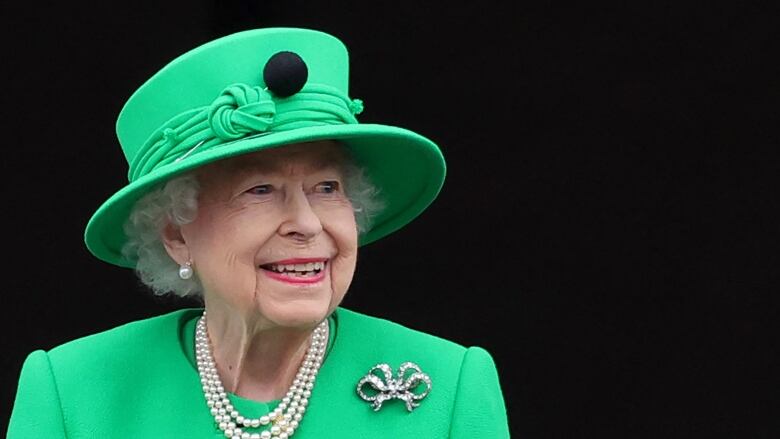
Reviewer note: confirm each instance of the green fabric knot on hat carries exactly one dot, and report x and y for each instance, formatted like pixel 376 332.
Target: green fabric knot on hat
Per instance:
pixel 356 106
pixel 241 109
pixel 170 135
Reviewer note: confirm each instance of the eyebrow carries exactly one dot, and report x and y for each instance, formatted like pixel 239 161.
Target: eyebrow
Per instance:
pixel 335 159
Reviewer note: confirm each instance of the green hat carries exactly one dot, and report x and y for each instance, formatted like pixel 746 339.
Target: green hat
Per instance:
pixel 250 91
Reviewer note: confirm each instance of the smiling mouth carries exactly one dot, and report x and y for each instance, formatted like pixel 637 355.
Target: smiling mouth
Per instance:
pixel 296 271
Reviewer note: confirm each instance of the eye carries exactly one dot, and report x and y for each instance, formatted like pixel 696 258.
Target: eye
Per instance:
pixel 261 189
pixel 327 187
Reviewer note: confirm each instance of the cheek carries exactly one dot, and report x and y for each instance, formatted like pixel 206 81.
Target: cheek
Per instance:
pixel 209 238
pixel 223 253
pixel 343 231
pixel 340 225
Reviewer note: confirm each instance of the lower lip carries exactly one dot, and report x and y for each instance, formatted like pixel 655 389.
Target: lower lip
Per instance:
pixel 296 280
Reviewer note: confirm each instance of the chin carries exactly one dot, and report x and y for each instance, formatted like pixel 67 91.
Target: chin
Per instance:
pixel 297 314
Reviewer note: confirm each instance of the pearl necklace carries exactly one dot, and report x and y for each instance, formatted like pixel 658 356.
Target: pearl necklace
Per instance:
pixel 286 417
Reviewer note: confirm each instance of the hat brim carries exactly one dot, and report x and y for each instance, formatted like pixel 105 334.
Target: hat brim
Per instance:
pixel 407 168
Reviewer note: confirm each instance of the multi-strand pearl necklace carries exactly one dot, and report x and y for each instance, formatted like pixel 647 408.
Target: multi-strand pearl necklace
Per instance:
pixel 286 417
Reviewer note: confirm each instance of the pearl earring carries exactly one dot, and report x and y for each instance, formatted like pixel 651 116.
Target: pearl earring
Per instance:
pixel 185 270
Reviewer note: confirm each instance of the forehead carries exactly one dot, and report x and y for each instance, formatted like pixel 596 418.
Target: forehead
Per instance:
pixel 307 157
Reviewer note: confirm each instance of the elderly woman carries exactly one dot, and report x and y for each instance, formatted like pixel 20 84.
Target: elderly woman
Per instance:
pixel 252 185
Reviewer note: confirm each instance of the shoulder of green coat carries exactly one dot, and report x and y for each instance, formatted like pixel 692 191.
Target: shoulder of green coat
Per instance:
pixel 381 332
pixel 479 386
pixel 141 336
pixel 37 411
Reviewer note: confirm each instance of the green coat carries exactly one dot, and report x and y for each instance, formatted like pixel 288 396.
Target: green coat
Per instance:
pixel 139 381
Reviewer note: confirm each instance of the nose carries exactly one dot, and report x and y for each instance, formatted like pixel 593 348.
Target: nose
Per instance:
pixel 300 221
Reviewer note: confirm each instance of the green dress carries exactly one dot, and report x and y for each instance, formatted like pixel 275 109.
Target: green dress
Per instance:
pixel 140 381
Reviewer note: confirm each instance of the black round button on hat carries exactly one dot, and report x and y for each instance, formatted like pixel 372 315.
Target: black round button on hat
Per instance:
pixel 285 73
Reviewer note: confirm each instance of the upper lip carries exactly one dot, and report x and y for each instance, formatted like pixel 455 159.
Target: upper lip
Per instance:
pixel 293 261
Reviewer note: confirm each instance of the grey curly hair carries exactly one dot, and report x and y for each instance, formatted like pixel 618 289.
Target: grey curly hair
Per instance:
pixel 176 202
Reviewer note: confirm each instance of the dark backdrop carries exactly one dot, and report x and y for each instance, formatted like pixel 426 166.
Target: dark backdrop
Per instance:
pixel 608 228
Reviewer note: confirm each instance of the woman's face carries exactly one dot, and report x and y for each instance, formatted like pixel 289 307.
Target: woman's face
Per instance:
pixel 275 234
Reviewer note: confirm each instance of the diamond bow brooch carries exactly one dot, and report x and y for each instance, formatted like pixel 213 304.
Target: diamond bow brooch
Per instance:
pixel 382 386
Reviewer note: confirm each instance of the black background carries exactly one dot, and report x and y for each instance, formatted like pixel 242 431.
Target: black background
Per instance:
pixel 608 229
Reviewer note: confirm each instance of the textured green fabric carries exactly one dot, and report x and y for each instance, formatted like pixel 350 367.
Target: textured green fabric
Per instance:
pixel 139 381
pixel 211 103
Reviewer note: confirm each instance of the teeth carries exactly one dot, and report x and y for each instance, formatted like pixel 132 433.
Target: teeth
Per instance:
pixel 298 268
